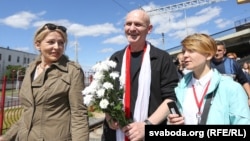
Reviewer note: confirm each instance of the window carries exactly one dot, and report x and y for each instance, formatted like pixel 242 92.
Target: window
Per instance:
pixel 0 57
pixel 18 59
pixel 24 60
pixel 9 58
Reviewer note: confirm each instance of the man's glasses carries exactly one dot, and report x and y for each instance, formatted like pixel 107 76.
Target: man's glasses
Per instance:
pixel 51 26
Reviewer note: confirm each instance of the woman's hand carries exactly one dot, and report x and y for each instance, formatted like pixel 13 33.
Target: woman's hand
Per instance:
pixel 175 119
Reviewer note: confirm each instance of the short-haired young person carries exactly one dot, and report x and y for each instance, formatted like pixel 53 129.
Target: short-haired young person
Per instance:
pixel 228 103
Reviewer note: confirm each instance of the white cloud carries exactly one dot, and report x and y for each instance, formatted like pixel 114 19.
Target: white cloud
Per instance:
pixel 20 20
pixel 222 23
pixel 107 50
pixel 63 22
pixel 156 42
pixel 177 26
pixel 175 21
pixel 203 16
pixel 120 39
pixel 150 6
pixel 79 30
pixel 93 30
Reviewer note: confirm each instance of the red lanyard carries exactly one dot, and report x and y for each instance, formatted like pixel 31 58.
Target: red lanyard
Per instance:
pixel 199 103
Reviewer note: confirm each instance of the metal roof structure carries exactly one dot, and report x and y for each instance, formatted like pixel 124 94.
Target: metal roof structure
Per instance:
pixel 181 6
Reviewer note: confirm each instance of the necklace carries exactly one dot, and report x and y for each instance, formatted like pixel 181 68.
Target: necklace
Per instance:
pixel 39 70
pixel 40 67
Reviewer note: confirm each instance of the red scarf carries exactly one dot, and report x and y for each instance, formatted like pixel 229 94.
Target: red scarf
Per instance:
pixel 128 83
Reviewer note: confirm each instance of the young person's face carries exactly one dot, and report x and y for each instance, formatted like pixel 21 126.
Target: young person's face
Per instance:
pixel 195 60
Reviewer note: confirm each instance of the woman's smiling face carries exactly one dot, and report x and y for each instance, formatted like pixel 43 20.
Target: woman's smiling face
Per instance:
pixel 51 47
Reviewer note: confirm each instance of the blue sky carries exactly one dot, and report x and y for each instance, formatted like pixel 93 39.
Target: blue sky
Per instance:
pixel 97 25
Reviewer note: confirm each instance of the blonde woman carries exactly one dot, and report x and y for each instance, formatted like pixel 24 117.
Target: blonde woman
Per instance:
pixel 51 93
pixel 229 103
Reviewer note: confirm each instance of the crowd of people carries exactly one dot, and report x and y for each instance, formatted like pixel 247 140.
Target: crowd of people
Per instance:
pixel 53 104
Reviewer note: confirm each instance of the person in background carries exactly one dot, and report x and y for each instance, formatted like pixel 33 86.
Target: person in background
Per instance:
pixel 246 70
pixel 248 63
pixel 51 95
pixel 229 103
pixel 232 55
pixel 152 76
pixel 229 67
pixel 181 65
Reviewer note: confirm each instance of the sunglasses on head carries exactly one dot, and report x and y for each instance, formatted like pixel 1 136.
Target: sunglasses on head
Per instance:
pixel 51 26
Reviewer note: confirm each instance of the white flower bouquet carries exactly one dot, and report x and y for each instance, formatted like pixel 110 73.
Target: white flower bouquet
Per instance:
pixel 105 92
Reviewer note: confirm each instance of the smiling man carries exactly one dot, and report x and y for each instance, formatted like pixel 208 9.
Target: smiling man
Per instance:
pixel 149 76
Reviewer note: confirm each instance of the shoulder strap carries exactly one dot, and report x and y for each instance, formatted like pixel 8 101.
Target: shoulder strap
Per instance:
pixel 207 107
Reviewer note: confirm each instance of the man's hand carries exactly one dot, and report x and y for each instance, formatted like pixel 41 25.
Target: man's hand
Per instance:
pixel 135 131
pixel 111 122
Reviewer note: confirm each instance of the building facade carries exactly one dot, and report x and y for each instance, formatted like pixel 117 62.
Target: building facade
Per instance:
pixel 15 58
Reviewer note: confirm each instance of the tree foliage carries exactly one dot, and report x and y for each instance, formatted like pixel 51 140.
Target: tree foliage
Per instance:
pixel 13 72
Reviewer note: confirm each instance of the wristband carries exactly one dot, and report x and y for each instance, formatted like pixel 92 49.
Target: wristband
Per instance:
pixel 148 122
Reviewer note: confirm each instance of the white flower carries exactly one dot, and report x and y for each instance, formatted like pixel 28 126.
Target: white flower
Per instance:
pixel 95 85
pixel 112 64
pixel 85 91
pixel 108 85
pixel 88 90
pixel 103 91
pixel 114 75
pixel 104 103
pixel 98 76
pixel 104 66
pixel 100 93
pixel 88 100
pixel 96 67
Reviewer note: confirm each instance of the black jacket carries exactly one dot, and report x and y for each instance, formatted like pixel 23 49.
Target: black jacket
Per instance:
pixel 163 81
